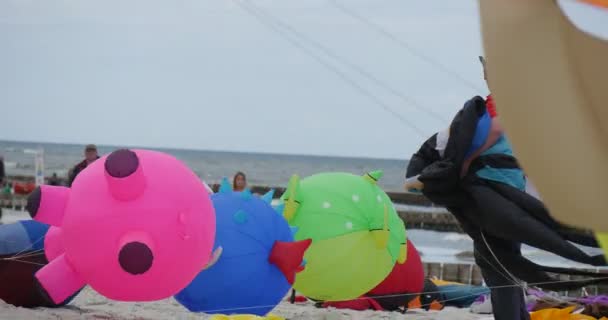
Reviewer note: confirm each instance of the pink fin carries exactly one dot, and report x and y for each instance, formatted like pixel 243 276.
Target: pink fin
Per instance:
pixel 53 243
pixel 47 204
pixel 288 256
pixel 59 279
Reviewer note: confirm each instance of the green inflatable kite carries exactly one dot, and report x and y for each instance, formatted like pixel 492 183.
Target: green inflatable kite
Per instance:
pixel 356 232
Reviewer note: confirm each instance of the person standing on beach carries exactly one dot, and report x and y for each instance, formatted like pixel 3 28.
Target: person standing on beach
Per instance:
pixel 2 180
pixel 471 170
pixel 239 182
pixel 90 155
pixel 54 180
pixel 2 173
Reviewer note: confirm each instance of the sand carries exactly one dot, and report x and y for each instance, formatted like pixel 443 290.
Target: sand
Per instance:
pixel 90 305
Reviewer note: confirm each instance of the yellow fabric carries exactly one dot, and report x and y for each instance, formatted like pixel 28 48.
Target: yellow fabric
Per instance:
pixel 558 314
pixel 549 82
pixel 602 238
pixel 439 282
pixel 322 279
pixel 402 254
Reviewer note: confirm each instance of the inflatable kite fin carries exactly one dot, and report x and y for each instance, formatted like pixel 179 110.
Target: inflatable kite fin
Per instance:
pixel 288 257
pixel 280 208
pixel 124 175
pixel 402 253
pixel 53 243
pixel 373 176
pixel 294 230
pixel 215 256
pixel 381 236
pixel 47 204
pixel 414 304
pixel 291 201
pixel 268 196
pixel 225 186
pixel 59 280
pixel 246 194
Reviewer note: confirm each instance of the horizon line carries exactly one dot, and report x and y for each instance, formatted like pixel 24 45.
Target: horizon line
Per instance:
pixel 207 150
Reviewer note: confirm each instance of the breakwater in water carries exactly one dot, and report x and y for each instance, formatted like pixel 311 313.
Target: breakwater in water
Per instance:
pixel 415 209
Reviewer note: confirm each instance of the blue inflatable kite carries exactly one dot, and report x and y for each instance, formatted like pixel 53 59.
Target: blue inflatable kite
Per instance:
pixel 21 256
pixel 257 258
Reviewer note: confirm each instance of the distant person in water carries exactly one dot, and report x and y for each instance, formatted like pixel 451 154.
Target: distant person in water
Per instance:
pixel 90 155
pixel 239 183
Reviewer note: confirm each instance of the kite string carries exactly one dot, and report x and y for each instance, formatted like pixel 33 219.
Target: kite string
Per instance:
pixel 328 66
pixel 23 254
pixel 17 258
pixel 420 293
pixel 29 246
pixel 413 51
pixel 506 273
pixel 509 274
pixel 27 262
pixel 368 75
pixel 522 284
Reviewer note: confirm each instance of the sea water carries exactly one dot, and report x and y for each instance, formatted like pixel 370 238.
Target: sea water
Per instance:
pixel 212 166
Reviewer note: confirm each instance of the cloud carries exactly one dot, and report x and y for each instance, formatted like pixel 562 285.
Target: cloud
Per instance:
pixel 207 75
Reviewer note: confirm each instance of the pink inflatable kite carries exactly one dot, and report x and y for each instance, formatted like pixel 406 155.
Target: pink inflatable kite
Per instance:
pixel 135 226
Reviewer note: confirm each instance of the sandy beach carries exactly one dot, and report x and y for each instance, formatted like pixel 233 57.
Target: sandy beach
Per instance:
pixel 90 305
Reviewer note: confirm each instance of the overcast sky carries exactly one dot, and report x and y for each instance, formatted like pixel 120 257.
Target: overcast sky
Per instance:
pixel 207 74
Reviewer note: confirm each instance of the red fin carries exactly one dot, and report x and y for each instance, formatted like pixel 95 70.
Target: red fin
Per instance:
pixel 375 305
pixel 288 256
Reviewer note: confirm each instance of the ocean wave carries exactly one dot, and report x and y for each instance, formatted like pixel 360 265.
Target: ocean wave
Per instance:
pixel 465 255
pixel 10 164
pixel 456 237
pixel 417 208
